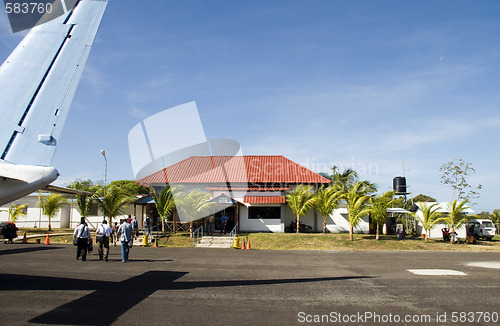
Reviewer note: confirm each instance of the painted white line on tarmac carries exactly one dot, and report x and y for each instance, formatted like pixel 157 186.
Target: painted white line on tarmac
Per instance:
pixel 485 264
pixel 436 272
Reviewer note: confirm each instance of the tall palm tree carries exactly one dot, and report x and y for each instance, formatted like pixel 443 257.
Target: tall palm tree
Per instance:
pixel 84 202
pixel 456 216
pixel 378 209
pixel 300 200
pixel 194 205
pixel 114 202
pixel 51 204
pixel 429 218
pixel 357 198
pixel 345 180
pixel 164 201
pixel 326 202
pixel 16 211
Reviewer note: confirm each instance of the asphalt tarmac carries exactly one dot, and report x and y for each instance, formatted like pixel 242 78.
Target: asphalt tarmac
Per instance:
pixel 45 284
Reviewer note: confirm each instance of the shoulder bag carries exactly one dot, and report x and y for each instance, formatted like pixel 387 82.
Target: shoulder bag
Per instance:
pixel 100 236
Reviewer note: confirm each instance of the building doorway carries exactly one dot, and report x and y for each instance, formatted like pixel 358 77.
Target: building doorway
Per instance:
pixel 230 213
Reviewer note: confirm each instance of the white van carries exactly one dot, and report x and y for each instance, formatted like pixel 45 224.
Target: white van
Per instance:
pixel 481 228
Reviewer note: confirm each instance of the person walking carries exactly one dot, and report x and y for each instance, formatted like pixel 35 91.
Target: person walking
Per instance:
pixel 103 233
pixel 223 221
pixel 135 226
pixel 82 234
pixel 125 231
pixel 147 223
pixel 210 227
pixel 115 233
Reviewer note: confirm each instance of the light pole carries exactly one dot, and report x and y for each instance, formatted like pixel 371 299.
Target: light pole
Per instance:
pixel 103 152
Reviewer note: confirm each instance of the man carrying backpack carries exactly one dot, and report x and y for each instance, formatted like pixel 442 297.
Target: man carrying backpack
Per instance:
pixel 135 226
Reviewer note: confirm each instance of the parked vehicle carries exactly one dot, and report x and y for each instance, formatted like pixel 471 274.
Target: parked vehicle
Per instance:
pixel 303 228
pixel 8 230
pixel 480 228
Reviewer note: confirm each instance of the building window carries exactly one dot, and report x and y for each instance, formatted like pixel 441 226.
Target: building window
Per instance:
pixel 264 212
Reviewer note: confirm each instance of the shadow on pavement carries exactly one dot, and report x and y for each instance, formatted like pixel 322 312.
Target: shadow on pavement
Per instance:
pixel 25 250
pixel 112 299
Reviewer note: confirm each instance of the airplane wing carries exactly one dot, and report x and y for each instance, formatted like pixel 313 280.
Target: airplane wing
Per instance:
pixel 66 191
pixel 38 82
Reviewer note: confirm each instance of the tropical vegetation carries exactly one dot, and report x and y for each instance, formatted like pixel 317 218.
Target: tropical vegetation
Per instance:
pixel 326 202
pixel 300 200
pixel 113 203
pixel 455 217
pixel 16 211
pixel 194 205
pixel 357 199
pixel 164 201
pixel 50 205
pixel 429 218
pixel 84 202
pixel 378 209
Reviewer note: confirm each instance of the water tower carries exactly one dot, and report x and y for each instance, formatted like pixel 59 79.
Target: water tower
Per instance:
pixel 399 186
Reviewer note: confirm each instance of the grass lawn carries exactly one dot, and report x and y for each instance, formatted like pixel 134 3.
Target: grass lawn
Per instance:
pixel 303 241
pixel 329 241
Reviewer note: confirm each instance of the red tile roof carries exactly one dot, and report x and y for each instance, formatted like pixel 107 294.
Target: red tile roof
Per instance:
pixel 264 199
pixel 234 169
pixel 247 188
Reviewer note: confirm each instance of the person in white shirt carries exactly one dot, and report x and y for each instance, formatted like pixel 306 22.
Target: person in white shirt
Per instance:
pixel 104 231
pixel 82 233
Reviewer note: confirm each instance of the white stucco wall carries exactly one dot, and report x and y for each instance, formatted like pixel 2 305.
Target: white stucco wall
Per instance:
pixel 338 222
pixel 68 217
pixel 258 225
pixel 335 223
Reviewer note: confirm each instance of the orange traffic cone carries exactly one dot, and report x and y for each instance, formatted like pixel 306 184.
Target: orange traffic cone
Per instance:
pixel 156 243
pixel 248 244
pixel 47 241
pixel 243 245
pixel 25 239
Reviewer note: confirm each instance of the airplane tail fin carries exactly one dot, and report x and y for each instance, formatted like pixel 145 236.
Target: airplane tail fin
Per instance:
pixel 38 82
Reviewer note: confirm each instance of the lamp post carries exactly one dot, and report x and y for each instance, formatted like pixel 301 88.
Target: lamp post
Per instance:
pixel 103 152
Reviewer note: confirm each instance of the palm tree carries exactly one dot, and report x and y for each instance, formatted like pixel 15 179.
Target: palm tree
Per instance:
pixel 114 202
pixel 300 200
pixel 164 201
pixel 357 198
pixel 456 216
pixel 430 217
pixel 378 209
pixel 495 217
pixel 51 204
pixel 84 202
pixel 194 205
pixel 326 202
pixel 345 180
pixel 16 211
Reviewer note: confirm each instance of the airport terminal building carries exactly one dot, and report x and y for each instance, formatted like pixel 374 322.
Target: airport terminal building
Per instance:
pixel 251 190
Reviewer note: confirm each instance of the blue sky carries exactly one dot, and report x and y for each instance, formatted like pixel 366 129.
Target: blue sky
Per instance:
pixel 358 84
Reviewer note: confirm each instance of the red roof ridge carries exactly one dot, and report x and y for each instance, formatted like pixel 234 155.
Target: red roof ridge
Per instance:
pixel 267 169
